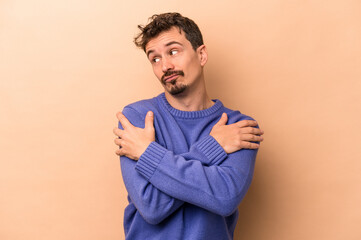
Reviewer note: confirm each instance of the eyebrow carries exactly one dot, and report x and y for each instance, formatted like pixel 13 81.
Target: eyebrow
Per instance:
pixel 173 42
pixel 168 44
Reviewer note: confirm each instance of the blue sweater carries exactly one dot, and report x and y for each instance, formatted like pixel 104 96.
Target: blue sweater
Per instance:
pixel 184 186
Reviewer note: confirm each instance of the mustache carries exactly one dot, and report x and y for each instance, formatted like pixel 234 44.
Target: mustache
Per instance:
pixel 171 72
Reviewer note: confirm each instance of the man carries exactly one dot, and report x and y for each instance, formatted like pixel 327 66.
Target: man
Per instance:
pixel 187 161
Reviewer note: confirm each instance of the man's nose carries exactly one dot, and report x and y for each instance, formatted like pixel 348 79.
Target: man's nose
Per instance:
pixel 167 65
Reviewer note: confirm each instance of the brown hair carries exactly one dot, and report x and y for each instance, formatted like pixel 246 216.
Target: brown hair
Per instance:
pixel 165 21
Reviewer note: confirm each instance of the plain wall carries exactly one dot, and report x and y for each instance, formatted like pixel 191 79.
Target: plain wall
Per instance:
pixel 66 68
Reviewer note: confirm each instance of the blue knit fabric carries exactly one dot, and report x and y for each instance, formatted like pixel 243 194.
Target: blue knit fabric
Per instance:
pixel 184 186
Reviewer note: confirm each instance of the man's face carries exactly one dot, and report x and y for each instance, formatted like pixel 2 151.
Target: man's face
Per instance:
pixel 175 63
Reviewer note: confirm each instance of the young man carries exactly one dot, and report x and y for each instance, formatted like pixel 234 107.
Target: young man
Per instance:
pixel 187 161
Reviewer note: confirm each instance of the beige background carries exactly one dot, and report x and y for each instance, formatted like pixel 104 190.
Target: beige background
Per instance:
pixel 66 68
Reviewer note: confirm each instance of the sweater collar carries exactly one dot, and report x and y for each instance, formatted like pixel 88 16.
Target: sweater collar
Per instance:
pixel 189 114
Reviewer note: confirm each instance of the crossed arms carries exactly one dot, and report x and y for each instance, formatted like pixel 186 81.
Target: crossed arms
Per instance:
pixel 159 181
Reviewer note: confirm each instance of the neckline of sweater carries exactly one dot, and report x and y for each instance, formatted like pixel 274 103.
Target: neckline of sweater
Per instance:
pixel 190 114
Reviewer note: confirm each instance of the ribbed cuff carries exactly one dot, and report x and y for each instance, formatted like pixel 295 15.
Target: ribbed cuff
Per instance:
pixel 211 149
pixel 149 160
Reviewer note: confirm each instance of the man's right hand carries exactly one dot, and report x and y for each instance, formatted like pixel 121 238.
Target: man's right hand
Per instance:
pixel 236 136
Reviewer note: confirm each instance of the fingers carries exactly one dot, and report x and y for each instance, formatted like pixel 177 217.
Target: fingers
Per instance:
pixel 250 145
pixel 149 120
pixel 252 138
pixel 118 141
pixel 222 121
pixel 117 132
pixel 123 120
pixel 119 152
pixel 247 123
pixel 249 126
pixel 252 130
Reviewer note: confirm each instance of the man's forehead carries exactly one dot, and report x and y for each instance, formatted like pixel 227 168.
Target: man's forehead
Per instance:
pixel 166 38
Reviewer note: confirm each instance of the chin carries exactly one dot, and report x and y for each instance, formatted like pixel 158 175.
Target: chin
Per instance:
pixel 177 90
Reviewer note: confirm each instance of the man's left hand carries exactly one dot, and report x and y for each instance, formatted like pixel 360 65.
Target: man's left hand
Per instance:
pixel 133 141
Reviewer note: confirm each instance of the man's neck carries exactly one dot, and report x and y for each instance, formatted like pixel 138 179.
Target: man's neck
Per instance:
pixel 195 101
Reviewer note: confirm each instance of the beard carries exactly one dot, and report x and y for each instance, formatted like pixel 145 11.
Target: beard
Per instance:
pixel 172 86
pixel 177 89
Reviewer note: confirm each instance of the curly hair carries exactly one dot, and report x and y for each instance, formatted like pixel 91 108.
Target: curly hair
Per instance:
pixel 164 22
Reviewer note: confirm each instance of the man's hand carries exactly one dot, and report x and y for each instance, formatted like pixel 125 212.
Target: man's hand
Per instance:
pixel 236 136
pixel 133 141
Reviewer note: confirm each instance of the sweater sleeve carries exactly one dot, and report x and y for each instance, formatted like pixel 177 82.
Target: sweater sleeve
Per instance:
pixel 218 188
pixel 153 204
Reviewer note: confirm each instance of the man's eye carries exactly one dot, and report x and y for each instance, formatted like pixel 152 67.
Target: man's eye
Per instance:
pixel 173 52
pixel 155 60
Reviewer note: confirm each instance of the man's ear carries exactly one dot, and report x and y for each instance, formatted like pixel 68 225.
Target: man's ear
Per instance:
pixel 202 55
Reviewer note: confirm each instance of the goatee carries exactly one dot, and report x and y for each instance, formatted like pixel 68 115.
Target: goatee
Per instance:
pixel 177 89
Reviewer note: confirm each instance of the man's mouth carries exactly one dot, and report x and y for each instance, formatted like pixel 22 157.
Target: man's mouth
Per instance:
pixel 170 78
